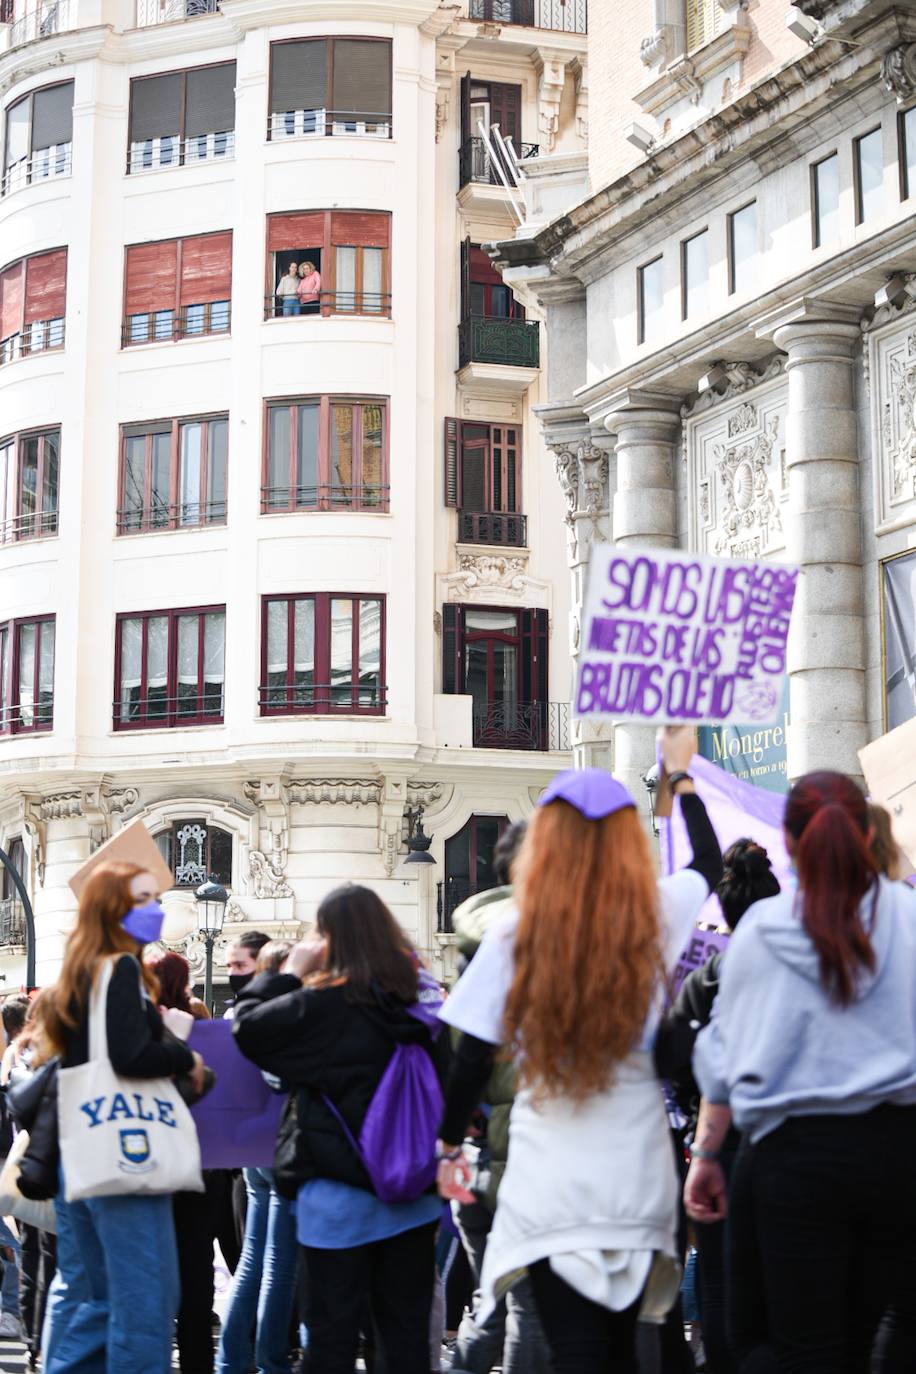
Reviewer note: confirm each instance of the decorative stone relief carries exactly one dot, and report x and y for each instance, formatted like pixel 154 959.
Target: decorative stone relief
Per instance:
pixel 267 876
pixel 567 466
pixel 579 70
pixel 737 377
pixel 898 72
pixel 551 68
pixel 491 579
pixel 749 522
pixel 893 402
pixel 894 310
pixel 493 570
pixel 336 791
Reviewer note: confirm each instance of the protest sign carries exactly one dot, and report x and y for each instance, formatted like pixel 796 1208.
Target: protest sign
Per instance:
pixel 671 636
pixel 889 767
pixel 237 1121
pixel 703 943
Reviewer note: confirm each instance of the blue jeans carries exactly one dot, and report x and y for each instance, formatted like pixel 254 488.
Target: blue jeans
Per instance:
pixel 290 305
pixel 9 1289
pixel 112 1302
pixel 264 1283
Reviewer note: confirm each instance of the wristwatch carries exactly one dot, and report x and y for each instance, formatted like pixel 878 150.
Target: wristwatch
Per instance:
pixel 680 776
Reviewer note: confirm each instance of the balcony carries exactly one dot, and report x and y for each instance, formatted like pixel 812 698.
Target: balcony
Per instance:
pixel 449 896
pixel 42 165
pixel 12 926
pixel 505 530
pixel 186 515
pixel 277 500
pixel 34 525
pixel 41 21
pixel 541 725
pixel 563 16
pixel 493 339
pixel 343 698
pixel 157 154
pixel 475 165
pixel 41 336
pixel 329 303
pixel 151 12
pixel 162 326
pixel 327 123
pixel 158 710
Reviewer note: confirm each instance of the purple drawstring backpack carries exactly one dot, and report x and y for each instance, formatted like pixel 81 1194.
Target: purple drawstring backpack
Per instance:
pixel 397 1143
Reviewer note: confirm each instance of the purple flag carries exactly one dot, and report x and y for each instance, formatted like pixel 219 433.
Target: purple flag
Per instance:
pixel 236 1122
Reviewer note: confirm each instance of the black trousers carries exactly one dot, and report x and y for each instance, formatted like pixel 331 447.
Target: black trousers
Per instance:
pixel 710 1241
pixel 39 1260
pixel 584 1338
pixel 392 1278
pixel 194 1229
pixel 824 1220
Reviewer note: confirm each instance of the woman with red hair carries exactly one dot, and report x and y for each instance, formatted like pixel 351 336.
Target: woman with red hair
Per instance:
pixel 812 1052
pixel 575 979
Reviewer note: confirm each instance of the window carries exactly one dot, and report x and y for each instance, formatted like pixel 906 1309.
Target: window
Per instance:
pixel 651 304
pixel 173 474
pixel 33 303
pixel 906 133
pixel 170 668
pixel 328 262
pixel 39 137
pixel 468 865
pixel 695 276
pixel 322 653
pixel 486 103
pixel 182 117
pixel 742 248
pixel 825 181
pixel 177 288
pixel 498 657
pixel 27 674
pixel 483 292
pixel 323 86
pixel 868 170
pixel 196 851
pixel 326 453
pixel 705 18
pixel 12 916
pixel 504 11
pixel 483 479
pixel 29 482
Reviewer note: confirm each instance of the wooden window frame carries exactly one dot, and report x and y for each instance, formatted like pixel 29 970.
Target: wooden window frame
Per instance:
pixel 493 444
pixel 10 531
pixel 328 306
pixel 170 719
pixel 178 312
pixel 321 688
pixel 183 72
pixel 324 498
pixel 857 170
pixel 148 428
pixel 815 197
pixel 641 296
pixel 25 349
pixel 330 40
pixel 10 719
pixel 730 241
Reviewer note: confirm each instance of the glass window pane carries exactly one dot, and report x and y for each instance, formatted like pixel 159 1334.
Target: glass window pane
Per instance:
pixel 304 653
pixel 371 470
pixel 28 486
pixel 49 483
pixel 277 660
pixel 743 247
pixel 307 476
pixel 157 666
pixel 341 651
pixel 492 622
pixel 870 166
pixel 132 499
pixel 696 276
pixel 18 121
pixel 372 280
pixel 160 505
pixel 651 301
pixel 346 278
pixel 46 673
pixel 370 652
pixel 28 641
pixel 131 668
pixel 217 459
pixel 188 639
pixel 163 324
pixel 214 662
pixel 909 152
pixel 342 455
pixel 278 457
pixel 7 489
pixel 220 856
pixel 189 473
pixel 827 202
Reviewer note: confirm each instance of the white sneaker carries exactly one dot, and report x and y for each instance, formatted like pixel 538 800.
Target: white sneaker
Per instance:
pixel 10 1328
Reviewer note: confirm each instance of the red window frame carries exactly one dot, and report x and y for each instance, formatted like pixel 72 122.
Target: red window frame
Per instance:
pixel 16 524
pixel 371 304
pixel 35 336
pixel 325 498
pixel 214 320
pixel 149 519
pixel 321 703
pixel 172 716
pixel 10 704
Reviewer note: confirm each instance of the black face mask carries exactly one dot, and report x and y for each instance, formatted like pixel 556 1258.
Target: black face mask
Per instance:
pixel 237 981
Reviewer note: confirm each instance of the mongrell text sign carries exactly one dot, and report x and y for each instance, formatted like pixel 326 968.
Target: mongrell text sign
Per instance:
pixel 674 636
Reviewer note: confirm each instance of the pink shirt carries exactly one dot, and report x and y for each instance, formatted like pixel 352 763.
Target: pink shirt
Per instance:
pixel 309 287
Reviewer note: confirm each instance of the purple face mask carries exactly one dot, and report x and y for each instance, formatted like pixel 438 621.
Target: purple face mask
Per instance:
pixel 144 923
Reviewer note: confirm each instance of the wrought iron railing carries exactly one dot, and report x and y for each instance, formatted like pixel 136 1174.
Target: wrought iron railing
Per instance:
pixel 477 527
pixel 329 303
pixel 165 11
pixel 38 337
pixel 42 165
pixel 34 525
pixel 160 326
pixel 542 725
pixel 26 716
pixel 475 163
pixel 158 154
pixel 566 16
pixel 322 698
pixel 449 896
pixel 12 924
pixel 182 515
pixel 47 18
pixel 322 123
pixel 492 339
pixel 275 500
pixel 155 710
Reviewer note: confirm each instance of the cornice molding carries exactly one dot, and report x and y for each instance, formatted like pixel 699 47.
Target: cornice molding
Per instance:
pixel 258 14
pixel 686 75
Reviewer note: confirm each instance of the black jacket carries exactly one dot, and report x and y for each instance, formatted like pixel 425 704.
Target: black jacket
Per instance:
pixel 137 1045
pixel 318 1042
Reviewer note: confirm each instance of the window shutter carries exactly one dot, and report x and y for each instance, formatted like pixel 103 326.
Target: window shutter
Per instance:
pixel 483 273
pixel 362 76
pixel 506 110
pixel 466 130
pixel 363 228
pixel 11 297
pixel 285 232
pixel 155 107
pixel 206 269
pixel 298 75
pixel 210 100
pixel 452 649
pixel 52 116
pixel 465 278
pixel 151 277
pixel 705 18
pixel 534 656
pixel 452 430
pixel 46 286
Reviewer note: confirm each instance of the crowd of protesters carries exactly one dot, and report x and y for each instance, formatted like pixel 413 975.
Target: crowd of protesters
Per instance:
pixel 513 1173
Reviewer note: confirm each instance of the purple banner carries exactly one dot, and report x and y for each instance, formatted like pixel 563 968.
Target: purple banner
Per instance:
pixel 670 636
pixel 236 1122
pixel 702 944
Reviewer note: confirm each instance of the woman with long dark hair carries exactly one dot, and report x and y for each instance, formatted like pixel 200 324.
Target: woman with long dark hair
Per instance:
pixel 812 1053
pixel 588 1205
pixel 328 1027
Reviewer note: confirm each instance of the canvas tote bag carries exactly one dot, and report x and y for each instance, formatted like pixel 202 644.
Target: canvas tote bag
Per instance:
pixel 122 1135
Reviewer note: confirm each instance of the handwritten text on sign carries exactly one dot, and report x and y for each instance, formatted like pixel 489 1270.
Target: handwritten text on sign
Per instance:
pixel 671 636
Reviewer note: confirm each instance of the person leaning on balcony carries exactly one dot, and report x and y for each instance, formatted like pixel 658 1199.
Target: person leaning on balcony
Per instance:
pixel 309 288
pixel 287 292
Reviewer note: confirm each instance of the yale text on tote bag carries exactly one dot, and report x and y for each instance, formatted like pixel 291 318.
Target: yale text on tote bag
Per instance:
pixel 122 1135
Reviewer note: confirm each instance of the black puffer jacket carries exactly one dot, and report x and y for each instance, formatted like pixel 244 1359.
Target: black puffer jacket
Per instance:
pixel 318 1042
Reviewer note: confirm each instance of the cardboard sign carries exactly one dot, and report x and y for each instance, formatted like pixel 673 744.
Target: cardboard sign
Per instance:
pixel 889 766
pixel 671 636
pixel 133 844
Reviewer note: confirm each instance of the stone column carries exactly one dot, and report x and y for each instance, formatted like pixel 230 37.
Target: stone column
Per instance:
pixel 645 514
pixel 826 655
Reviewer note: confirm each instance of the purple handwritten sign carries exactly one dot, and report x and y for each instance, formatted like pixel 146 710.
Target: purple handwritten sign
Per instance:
pixel 236 1122
pixel 670 636
pixel 702 944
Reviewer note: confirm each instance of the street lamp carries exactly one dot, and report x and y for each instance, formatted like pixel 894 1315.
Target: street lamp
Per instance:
pixel 651 780
pixel 211 899
pixel 418 842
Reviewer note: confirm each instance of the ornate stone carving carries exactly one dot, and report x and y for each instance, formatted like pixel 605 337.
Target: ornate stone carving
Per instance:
pixel 744 418
pixel 656 50
pixel 579 69
pixel 492 570
pixel 122 800
pixel 567 466
pixel 423 794
pixel 750 514
pixel 898 422
pixel 898 71
pixel 551 80
pixel 738 377
pixel 437 622
pixel 267 876
pixel 60 806
pixel 336 791
pixel 594 466
pixel 905 304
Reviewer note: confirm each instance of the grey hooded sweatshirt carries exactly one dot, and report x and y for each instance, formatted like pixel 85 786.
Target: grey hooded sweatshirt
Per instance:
pixel 778 1047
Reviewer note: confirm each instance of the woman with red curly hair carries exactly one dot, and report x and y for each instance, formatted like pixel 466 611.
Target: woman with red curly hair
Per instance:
pixel 574 978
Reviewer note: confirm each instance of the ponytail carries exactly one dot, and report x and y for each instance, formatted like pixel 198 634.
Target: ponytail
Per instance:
pixel 827 815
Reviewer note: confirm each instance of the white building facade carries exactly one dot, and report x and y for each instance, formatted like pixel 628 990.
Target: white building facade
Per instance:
pixel 280 562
